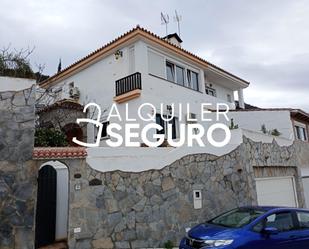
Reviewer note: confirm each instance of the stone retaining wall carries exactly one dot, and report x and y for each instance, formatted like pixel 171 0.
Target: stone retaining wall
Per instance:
pixel 17 170
pixel 142 210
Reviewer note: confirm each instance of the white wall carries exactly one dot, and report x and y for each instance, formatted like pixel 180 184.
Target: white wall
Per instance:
pixel 222 92
pixel 15 84
pixel 133 159
pixel 253 120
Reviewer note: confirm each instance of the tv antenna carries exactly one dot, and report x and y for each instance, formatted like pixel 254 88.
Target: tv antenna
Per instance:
pixel 165 20
pixel 178 18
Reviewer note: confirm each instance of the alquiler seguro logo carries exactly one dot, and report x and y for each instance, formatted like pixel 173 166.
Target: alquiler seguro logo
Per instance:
pixel 192 132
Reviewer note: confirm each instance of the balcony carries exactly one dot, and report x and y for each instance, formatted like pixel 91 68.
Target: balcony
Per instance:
pixel 210 91
pixel 128 88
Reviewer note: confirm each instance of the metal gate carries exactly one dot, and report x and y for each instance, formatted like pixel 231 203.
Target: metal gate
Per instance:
pixel 45 226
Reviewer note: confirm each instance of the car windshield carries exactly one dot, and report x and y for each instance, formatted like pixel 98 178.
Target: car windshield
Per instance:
pixel 237 218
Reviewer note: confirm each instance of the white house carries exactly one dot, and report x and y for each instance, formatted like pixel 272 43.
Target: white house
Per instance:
pixel 140 67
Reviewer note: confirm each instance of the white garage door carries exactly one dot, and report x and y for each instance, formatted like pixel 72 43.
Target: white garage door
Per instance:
pixel 276 191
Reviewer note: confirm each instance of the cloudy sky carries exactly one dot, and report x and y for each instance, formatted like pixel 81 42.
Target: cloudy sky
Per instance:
pixel 264 41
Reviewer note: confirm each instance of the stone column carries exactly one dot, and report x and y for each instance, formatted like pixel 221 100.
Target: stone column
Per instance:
pixel 241 98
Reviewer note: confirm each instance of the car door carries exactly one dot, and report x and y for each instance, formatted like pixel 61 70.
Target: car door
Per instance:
pixel 301 238
pixel 284 222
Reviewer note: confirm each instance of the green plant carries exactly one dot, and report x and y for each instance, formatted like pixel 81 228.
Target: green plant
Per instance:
pixel 263 129
pixel 275 132
pixel 49 137
pixel 232 125
pixel 168 245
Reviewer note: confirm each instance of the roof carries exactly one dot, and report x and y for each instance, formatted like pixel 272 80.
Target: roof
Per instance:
pixel 59 152
pixel 137 31
pixel 173 35
pixel 64 104
pixel 300 115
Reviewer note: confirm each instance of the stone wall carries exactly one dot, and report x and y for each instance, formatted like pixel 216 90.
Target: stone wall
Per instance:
pixel 302 150
pixel 123 209
pixel 140 210
pixel 17 170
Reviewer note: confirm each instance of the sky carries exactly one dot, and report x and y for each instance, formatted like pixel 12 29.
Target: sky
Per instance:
pixel 264 42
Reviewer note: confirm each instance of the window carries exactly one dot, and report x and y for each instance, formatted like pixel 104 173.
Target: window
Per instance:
pixel 180 75
pixel 160 121
pixel 156 63
pixel 229 98
pixel 303 220
pixel 104 134
pixel 194 81
pixel 282 221
pixel 104 130
pixel 210 91
pixel 301 133
pixel 170 71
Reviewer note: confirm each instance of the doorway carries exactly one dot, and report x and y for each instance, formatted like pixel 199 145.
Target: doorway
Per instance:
pixel 52 204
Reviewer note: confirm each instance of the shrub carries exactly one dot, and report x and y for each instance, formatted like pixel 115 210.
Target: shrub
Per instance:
pixel 168 245
pixel 49 137
pixel 275 132
pixel 233 126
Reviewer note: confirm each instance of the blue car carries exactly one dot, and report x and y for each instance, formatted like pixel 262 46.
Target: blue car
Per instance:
pixel 252 228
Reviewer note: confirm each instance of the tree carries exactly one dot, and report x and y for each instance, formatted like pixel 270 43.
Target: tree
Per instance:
pixel 15 63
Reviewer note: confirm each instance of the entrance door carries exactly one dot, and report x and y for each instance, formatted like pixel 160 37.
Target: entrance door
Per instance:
pixel 46 206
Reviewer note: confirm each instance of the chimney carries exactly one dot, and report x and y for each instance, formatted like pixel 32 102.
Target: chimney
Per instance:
pixel 174 39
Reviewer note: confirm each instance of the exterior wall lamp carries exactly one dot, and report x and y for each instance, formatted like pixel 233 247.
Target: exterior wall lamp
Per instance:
pixel 118 54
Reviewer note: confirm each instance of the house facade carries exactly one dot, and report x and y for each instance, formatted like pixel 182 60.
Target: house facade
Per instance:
pixel 140 67
pixel 139 197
